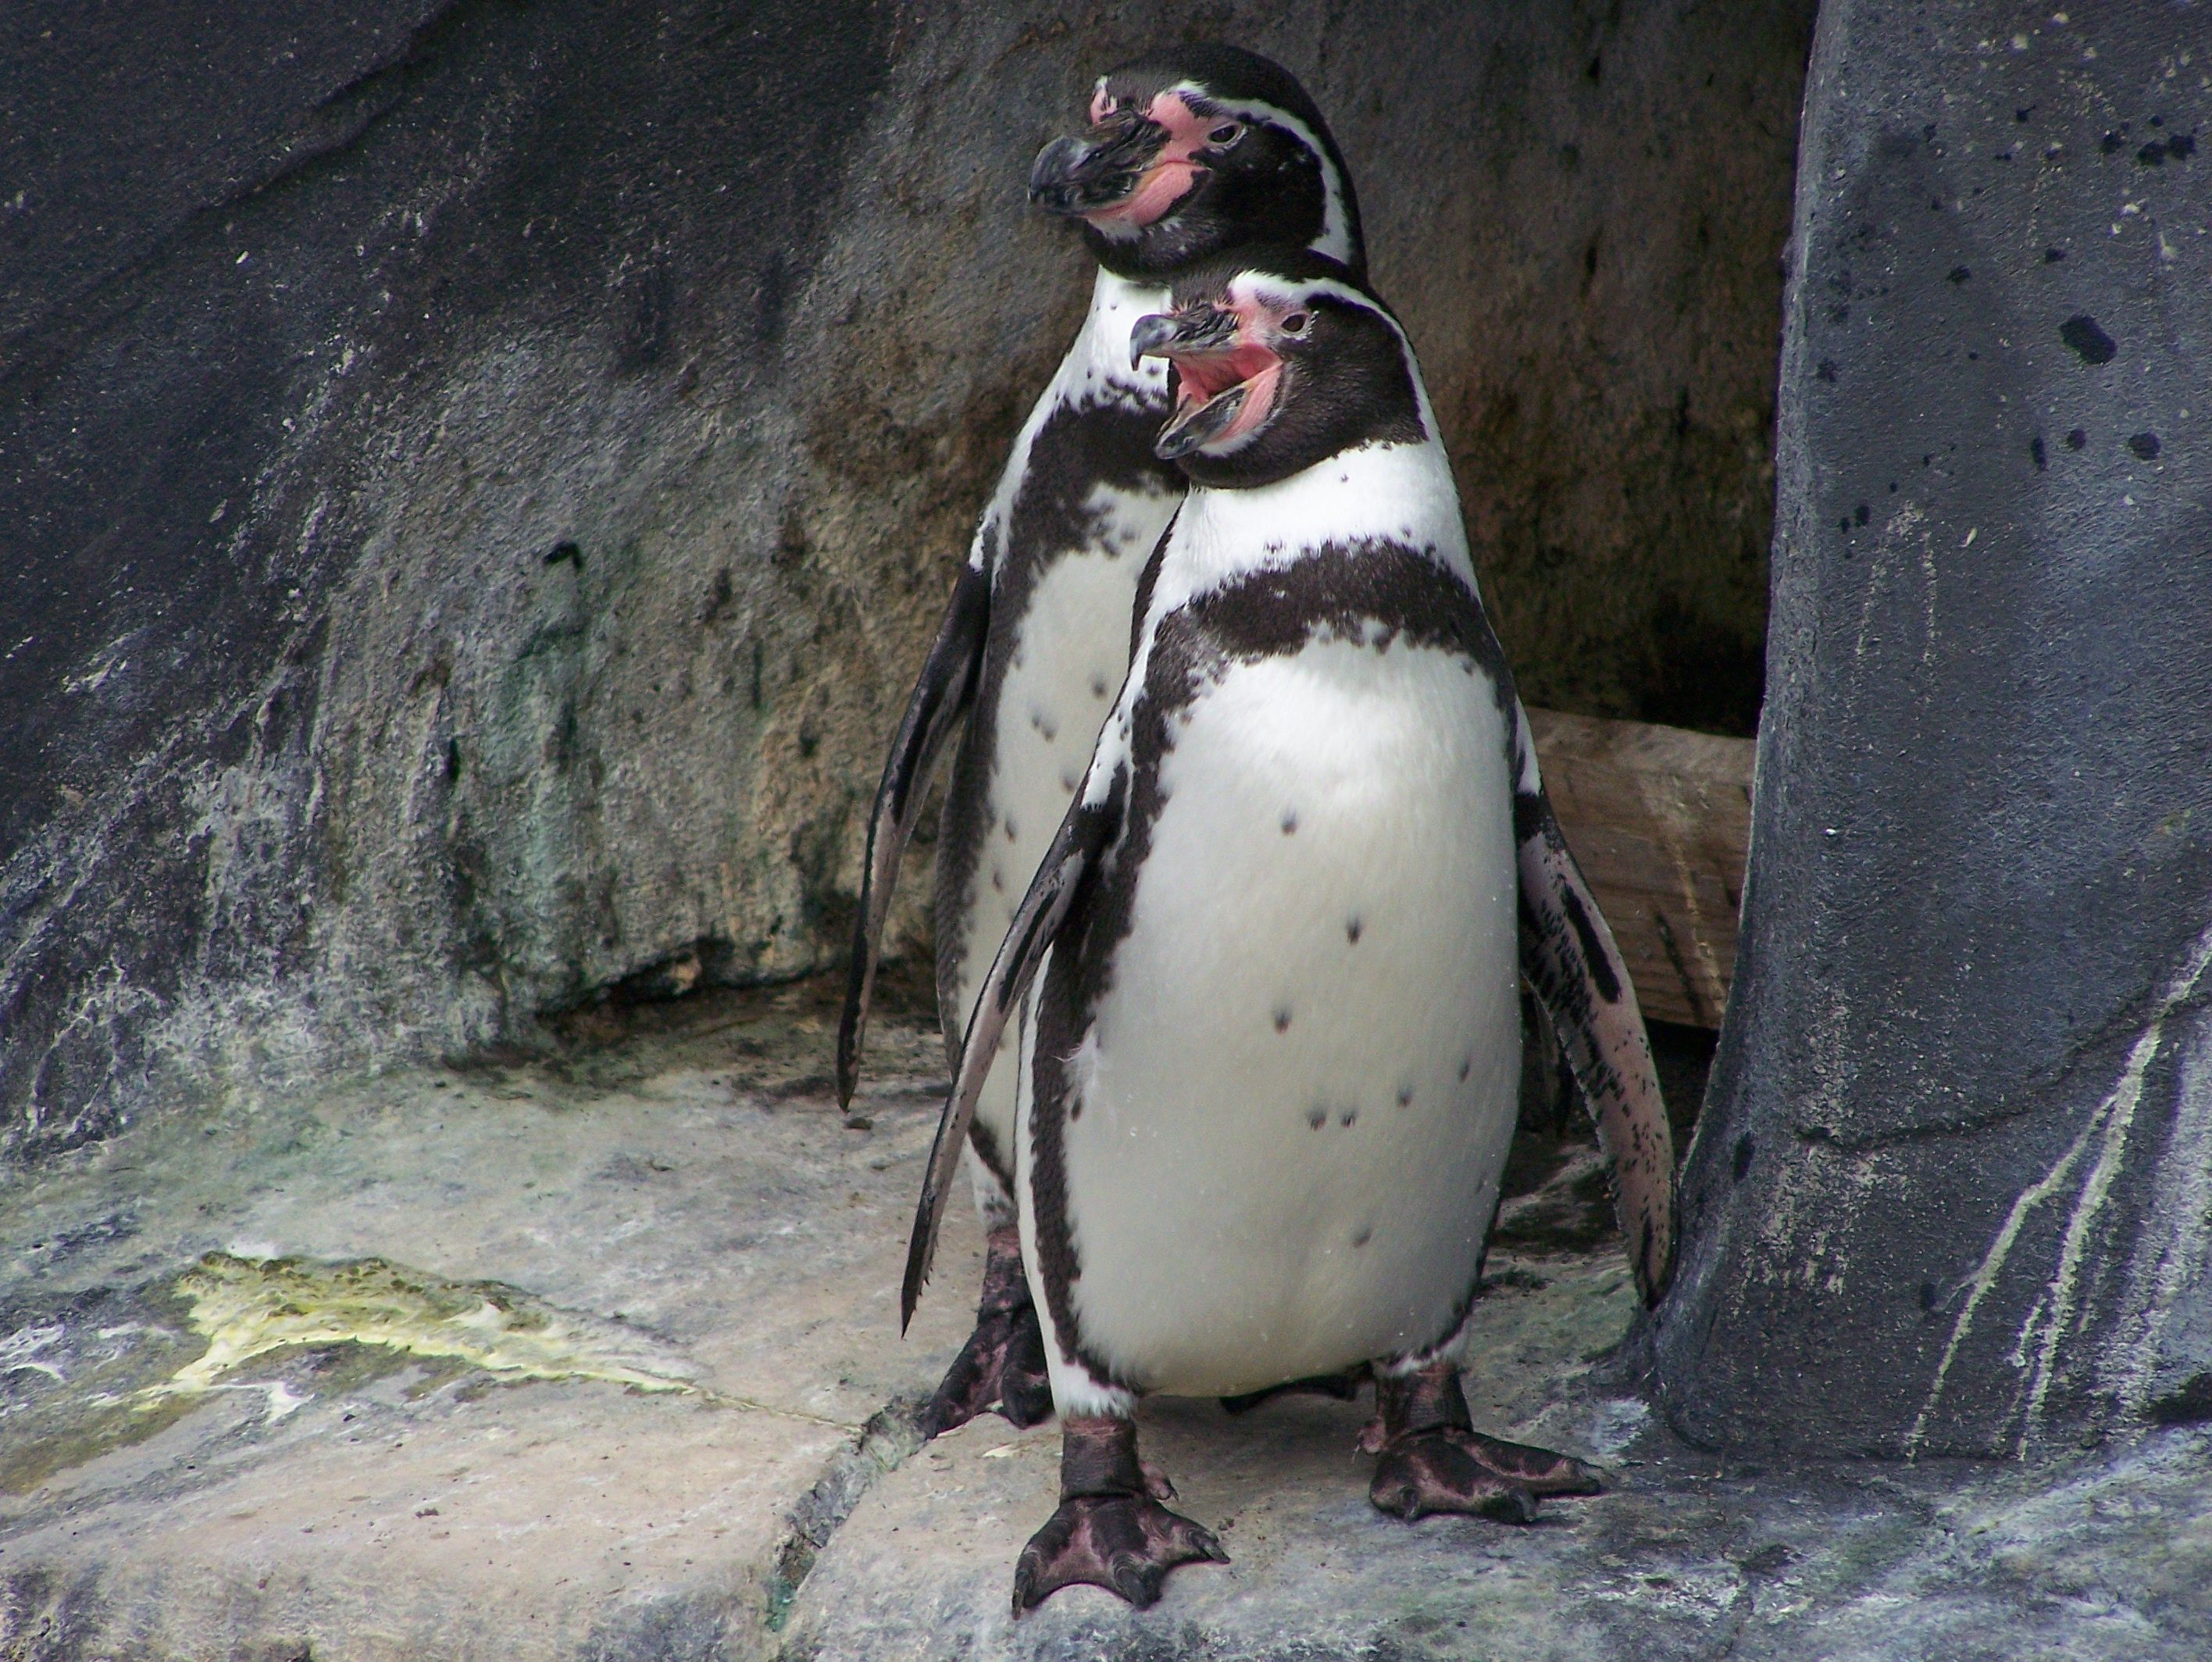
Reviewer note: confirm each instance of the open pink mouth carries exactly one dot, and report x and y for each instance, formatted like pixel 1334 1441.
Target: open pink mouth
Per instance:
pixel 1219 398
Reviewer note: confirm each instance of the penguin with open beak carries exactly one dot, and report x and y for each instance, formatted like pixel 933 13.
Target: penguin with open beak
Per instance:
pixel 1274 952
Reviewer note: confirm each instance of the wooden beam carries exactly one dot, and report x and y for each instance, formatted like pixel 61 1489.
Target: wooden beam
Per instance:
pixel 1659 821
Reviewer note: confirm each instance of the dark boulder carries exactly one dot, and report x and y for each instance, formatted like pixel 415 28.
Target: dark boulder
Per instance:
pixel 1952 1190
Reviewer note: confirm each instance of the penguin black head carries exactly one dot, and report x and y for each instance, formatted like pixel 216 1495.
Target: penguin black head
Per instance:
pixel 1282 359
pixel 1196 149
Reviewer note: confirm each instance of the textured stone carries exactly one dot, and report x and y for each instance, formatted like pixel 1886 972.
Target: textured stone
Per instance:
pixel 1951 1189
pixel 684 1209
pixel 482 476
pixel 710 1228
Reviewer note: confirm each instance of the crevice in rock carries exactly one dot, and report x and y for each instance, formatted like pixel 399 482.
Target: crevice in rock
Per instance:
pixel 891 1434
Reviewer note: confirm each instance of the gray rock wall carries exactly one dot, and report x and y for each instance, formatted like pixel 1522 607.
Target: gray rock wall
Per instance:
pixel 1952 1188
pixel 481 476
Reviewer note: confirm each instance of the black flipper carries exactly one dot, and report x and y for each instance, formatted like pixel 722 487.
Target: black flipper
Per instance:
pixel 940 698
pixel 1075 851
pixel 1569 957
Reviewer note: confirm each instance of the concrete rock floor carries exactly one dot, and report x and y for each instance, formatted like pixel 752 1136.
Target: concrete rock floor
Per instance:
pixel 598 1358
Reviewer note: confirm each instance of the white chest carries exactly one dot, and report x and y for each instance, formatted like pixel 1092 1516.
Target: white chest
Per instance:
pixel 1298 1091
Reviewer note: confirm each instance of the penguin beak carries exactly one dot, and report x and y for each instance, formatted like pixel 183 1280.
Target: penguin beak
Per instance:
pixel 1121 178
pixel 1223 385
pixel 1175 335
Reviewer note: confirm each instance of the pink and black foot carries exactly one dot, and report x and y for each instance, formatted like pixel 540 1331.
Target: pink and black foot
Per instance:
pixel 1111 1531
pixel 1002 1364
pixel 1434 1460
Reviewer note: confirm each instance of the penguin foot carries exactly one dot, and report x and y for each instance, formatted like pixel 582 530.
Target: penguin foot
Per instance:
pixel 1126 1544
pixel 1344 1386
pixel 1111 1531
pixel 1428 1471
pixel 1434 1460
pixel 1539 1470
pixel 1002 1365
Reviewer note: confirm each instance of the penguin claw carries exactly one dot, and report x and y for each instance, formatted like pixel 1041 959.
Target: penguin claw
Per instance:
pixel 1001 1365
pixel 1126 1544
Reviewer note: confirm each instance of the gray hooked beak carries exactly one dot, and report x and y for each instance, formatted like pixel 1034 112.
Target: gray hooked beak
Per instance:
pixel 1076 176
pixel 1171 334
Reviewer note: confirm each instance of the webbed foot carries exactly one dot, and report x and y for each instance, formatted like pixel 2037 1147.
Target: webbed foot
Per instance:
pixel 1427 1472
pixel 1433 1460
pixel 1109 1531
pixel 1002 1365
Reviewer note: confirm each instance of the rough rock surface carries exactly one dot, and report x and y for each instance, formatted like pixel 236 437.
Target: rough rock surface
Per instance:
pixel 481 476
pixel 600 1362
pixel 1952 1190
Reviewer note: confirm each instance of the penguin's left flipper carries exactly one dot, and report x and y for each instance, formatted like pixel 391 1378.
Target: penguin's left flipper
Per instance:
pixel 940 698
pixel 1083 837
pixel 1569 957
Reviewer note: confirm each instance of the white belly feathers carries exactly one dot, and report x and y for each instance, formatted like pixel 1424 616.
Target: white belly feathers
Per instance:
pixel 1298 1091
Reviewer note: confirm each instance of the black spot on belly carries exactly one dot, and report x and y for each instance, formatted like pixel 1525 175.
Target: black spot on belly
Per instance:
pixel 1466 1066
pixel 1365 1234
pixel 1290 821
pixel 1352 930
pixel 1282 1018
pixel 1067 781
pixel 998 879
pixel 1405 1096
pixel 1098 686
pixel 1317 1117
pixel 1010 827
pixel 1347 1117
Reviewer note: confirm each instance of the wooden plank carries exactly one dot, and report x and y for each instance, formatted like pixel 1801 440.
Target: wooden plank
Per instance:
pixel 1659 819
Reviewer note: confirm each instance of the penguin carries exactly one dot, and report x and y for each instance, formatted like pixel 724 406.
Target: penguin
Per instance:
pixel 1191 151
pixel 1276 947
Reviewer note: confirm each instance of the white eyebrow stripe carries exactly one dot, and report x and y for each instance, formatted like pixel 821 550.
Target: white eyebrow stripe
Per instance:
pixel 1277 291
pixel 1335 238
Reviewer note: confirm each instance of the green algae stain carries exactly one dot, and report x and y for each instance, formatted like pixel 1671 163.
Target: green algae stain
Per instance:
pixel 101 1372
pixel 246 1308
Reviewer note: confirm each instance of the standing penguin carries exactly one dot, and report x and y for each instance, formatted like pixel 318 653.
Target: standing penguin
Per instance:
pixel 1192 151
pixel 1276 1041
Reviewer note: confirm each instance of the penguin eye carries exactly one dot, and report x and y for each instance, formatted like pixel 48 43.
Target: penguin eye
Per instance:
pixel 1225 135
pixel 1293 325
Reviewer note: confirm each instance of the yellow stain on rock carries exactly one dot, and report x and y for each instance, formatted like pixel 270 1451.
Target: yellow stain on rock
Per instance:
pixel 247 1307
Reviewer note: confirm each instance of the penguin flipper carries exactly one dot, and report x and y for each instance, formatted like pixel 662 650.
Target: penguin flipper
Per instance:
pixel 1568 955
pixel 1075 851
pixel 940 698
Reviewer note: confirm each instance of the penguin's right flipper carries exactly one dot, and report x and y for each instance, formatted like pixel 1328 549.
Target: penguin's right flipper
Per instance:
pixel 1076 848
pixel 1570 958
pixel 940 698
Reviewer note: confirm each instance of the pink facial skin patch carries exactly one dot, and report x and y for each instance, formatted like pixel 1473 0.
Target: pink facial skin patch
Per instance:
pixel 1173 172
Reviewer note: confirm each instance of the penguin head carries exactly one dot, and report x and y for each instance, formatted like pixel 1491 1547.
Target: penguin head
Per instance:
pixel 1282 359
pixel 1194 150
